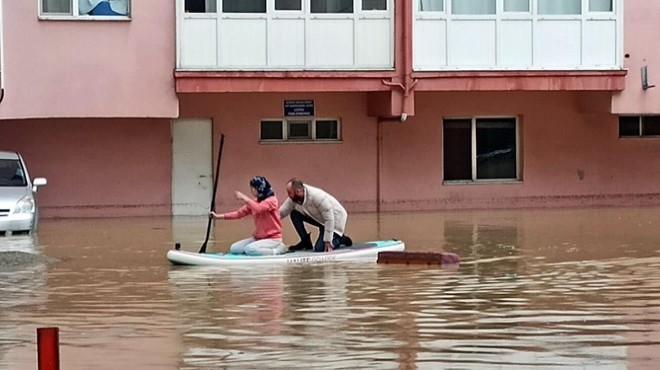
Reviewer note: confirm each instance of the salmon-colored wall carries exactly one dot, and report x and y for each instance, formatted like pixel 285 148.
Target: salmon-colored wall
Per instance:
pixel 346 170
pixel 641 30
pixel 89 68
pixel 96 168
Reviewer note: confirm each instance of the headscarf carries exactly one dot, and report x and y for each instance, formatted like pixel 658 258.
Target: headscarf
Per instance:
pixel 263 187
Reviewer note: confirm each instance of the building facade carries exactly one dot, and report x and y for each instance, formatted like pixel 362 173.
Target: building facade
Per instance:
pixel 391 105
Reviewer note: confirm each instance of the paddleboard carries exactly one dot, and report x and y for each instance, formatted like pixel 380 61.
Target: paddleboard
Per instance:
pixel 359 252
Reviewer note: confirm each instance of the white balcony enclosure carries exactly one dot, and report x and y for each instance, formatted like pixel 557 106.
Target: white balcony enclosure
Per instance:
pixel 285 34
pixel 517 35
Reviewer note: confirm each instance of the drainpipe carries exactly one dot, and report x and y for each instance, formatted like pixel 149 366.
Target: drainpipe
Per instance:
pixel 2 53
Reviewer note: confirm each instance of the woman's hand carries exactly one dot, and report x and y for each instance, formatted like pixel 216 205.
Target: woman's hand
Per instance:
pixel 241 196
pixel 216 215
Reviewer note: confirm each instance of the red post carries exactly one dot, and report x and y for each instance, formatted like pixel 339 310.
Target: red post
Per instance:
pixel 48 350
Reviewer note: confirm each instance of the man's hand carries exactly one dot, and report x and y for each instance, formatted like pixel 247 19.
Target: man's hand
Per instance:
pixel 328 247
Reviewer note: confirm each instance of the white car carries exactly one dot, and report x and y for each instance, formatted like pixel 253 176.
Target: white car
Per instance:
pixel 18 209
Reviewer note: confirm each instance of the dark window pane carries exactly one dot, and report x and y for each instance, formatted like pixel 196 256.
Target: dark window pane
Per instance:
pixel 374 4
pixel 332 6
pixel 628 126
pixel 496 148
pixel 288 5
pixel 271 130
pixel 11 173
pixel 200 6
pixel 299 130
pixel 327 129
pixel 651 126
pixel 243 6
pixel 457 149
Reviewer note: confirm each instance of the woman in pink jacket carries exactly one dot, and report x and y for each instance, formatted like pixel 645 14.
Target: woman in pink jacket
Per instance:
pixel 267 237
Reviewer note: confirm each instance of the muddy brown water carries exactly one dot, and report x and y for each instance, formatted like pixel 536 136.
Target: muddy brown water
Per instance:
pixel 546 289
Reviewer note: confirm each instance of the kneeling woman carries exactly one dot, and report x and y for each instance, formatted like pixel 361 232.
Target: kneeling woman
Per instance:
pixel 267 237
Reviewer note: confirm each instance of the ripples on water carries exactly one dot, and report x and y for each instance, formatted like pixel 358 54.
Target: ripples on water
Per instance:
pixel 532 291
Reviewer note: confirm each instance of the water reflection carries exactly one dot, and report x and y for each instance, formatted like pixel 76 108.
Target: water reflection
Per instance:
pixel 551 289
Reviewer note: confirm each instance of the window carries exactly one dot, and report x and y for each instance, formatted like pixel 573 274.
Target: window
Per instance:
pixel 473 7
pixel 288 5
pixel 480 149
pixel 639 126
pixel 297 129
pixel 560 7
pixel 331 6
pixel 516 6
pixel 243 6
pixel 77 8
pixel 374 5
pixel 600 6
pixel 200 6
pixel 431 6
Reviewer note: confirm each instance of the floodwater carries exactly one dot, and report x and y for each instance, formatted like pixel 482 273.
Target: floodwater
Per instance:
pixel 535 289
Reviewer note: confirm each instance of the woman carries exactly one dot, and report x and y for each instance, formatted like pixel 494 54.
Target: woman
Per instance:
pixel 267 237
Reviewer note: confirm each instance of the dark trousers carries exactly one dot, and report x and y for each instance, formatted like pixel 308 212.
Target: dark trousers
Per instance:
pixel 299 219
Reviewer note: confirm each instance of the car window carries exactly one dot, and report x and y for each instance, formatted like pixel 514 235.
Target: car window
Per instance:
pixel 11 173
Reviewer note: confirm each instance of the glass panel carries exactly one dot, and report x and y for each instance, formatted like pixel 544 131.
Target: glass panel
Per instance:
pixel 200 6
pixel 559 7
pixel 243 6
pixel 300 130
pixel 472 7
pixel 628 126
pixel 56 6
pixel 288 5
pixel 651 126
pixel 332 6
pixel 431 6
pixel 11 173
pixel 374 4
pixel 457 149
pixel 600 5
pixel 271 130
pixel 496 148
pixel 327 129
pixel 516 5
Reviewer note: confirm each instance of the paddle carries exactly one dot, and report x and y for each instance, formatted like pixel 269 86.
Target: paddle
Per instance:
pixel 202 249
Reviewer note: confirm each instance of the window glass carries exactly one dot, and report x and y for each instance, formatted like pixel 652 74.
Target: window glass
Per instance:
pixel 516 5
pixel 327 129
pixel 103 7
pixel 299 130
pixel 457 149
pixel 288 5
pixel 11 173
pixel 600 5
pixel 243 6
pixel 473 7
pixel 431 6
pixel 496 148
pixel 332 6
pixel 628 126
pixel 374 4
pixel 200 6
pixel 271 130
pixel 560 7
pixel 651 126
pixel 56 6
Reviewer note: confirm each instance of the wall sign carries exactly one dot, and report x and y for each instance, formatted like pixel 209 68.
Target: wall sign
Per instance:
pixel 298 108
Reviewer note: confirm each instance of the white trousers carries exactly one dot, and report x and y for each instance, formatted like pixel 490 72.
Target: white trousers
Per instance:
pixel 261 247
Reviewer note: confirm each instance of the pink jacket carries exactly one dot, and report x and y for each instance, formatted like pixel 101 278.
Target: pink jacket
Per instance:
pixel 266 215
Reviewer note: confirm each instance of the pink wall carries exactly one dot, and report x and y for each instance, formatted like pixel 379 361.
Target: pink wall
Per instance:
pixel 89 68
pixel 96 168
pixel 347 170
pixel 641 30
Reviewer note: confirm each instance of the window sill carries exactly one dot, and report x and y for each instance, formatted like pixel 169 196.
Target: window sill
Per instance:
pixel 482 182
pixel 85 18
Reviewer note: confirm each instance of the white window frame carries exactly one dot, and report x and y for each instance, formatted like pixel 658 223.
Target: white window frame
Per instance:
pixel 285 130
pixel 473 150
pixel 84 17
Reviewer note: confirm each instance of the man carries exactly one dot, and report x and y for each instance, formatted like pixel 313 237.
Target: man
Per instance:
pixel 307 204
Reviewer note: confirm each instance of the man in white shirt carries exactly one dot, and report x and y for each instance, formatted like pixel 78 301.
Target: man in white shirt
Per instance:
pixel 314 206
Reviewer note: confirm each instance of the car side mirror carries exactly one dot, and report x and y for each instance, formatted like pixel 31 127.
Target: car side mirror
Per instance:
pixel 39 181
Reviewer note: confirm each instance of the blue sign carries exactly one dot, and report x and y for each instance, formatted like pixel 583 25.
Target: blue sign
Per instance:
pixel 299 107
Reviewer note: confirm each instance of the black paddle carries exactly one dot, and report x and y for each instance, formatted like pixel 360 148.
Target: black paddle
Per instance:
pixel 215 190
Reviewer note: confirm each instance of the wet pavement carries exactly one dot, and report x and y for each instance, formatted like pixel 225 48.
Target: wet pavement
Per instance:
pixel 547 289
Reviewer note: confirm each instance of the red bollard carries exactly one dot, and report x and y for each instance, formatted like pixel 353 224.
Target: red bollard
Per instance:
pixel 48 350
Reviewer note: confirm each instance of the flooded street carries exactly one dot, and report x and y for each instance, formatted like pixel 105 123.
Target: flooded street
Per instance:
pixel 547 289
